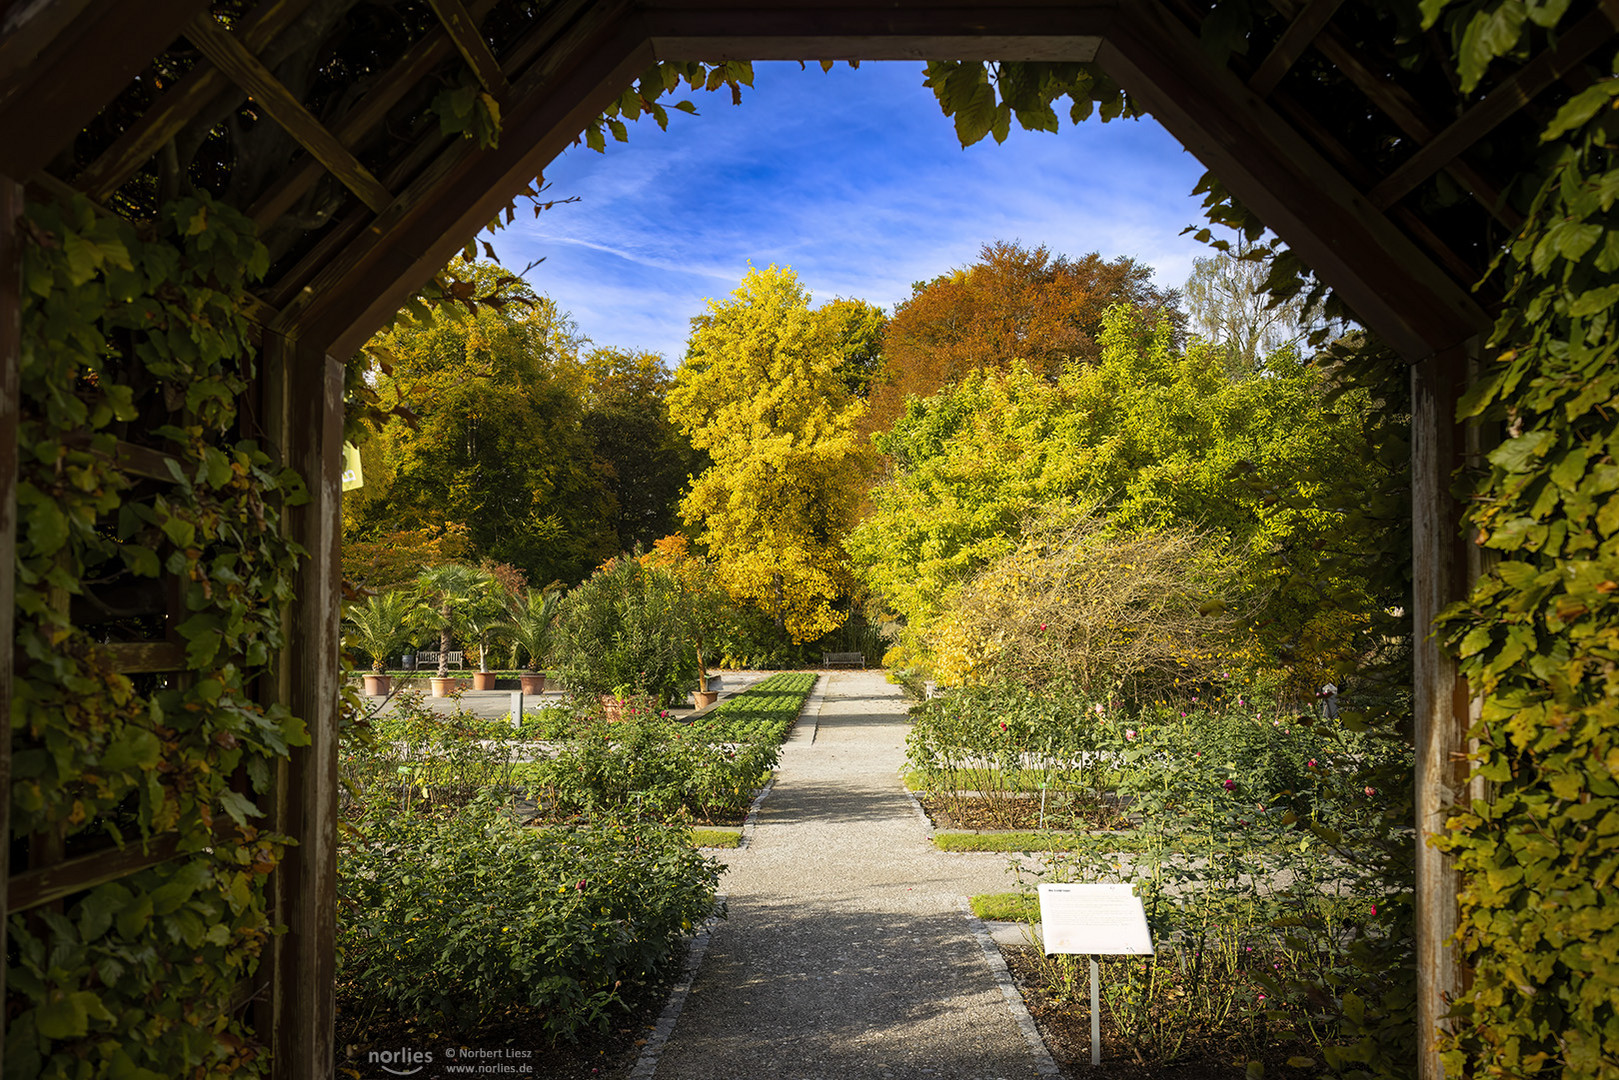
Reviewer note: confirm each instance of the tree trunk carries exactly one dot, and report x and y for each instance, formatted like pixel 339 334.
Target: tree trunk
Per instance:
pixel 444 644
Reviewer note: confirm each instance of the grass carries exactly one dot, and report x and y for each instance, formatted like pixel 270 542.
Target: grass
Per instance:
pixel 716 838
pixel 1006 841
pixel 1006 907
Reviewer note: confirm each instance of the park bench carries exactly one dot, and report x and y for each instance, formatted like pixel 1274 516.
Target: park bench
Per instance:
pixel 429 659
pixel 843 659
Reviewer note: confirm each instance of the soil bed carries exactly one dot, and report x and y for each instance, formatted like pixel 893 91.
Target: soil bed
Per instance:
pixel 1066 1029
pixel 514 1040
pixel 979 813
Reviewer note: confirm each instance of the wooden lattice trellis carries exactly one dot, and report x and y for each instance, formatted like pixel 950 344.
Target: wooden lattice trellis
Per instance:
pixel 361 197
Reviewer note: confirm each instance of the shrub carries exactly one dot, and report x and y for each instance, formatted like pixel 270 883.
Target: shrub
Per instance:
pixel 642 762
pixel 458 915
pixel 622 630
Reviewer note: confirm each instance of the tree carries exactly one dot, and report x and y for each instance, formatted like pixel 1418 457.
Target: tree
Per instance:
pixel 762 391
pixel 1225 303
pixel 382 622
pixel 1159 437
pixel 499 447
pixel 449 591
pixel 620 631
pixel 704 606
pixel 644 459
pixel 1014 304
pixel 532 617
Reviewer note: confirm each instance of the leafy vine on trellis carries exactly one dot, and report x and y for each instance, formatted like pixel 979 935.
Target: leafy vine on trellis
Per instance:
pixel 136 332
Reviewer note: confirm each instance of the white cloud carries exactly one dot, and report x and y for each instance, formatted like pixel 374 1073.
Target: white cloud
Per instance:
pixel 856 180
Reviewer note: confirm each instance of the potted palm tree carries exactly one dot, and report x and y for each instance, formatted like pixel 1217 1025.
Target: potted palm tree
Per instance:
pixel 482 618
pixel 446 590
pixel 531 619
pixel 379 625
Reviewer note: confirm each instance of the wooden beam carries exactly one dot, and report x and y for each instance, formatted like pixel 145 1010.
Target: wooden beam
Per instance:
pixel 60 76
pixel 1571 48
pixel 1394 288
pixel 1398 105
pixel 713 31
pixel 230 56
pixel 1291 45
pixel 180 104
pixel 418 62
pixel 462 27
pixel 461 192
pixel 1440 700
pixel 310 440
pixel 11 208
pixel 57 881
pixel 145 657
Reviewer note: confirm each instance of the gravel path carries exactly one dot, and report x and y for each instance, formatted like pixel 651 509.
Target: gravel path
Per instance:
pixel 847 953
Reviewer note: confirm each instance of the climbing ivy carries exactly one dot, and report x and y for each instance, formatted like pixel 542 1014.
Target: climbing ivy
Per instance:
pixel 1538 637
pixel 134 333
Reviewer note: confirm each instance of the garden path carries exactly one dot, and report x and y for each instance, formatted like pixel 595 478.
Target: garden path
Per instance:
pixel 847 952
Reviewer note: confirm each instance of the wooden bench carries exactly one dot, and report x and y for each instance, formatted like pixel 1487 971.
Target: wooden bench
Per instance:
pixel 843 659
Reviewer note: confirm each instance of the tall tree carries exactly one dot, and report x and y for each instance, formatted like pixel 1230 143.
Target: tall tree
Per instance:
pixel 644 458
pixel 1225 303
pixel 499 446
pixel 1014 304
pixel 762 391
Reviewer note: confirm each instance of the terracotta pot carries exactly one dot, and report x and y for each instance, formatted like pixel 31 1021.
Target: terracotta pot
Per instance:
pixel 483 680
pixel 704 698
pixel 532 684
pixel 442 687
pixel 378 685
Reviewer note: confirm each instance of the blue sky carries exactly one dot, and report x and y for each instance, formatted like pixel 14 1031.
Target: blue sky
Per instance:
pixel 855 179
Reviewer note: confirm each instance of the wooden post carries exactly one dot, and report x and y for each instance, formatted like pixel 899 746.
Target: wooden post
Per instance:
pixel 1440 697
pixel 304 403
pixel 11 208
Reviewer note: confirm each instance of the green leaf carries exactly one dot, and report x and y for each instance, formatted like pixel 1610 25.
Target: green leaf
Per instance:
pixel 1580 108
pixel 1493 32
pixel 137 748
pixel 1516 455
pixel 238 806
pixel 63 1018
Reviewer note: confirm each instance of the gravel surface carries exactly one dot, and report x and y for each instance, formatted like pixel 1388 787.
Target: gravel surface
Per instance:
pixel 846 953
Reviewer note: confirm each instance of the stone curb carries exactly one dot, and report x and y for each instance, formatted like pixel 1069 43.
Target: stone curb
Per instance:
pixel 647 1064
pixel 1044 1065
pixel 813 698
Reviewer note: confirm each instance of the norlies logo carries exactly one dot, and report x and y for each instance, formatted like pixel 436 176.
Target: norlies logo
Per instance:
pixel 401 1062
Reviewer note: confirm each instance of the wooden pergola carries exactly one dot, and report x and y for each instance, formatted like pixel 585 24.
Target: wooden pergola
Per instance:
pixel 360 201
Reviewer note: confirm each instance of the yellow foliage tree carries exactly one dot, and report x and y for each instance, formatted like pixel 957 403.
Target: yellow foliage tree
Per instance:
pixel 763 391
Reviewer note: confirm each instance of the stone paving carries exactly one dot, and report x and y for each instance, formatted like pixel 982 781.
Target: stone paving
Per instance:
pixel 847 953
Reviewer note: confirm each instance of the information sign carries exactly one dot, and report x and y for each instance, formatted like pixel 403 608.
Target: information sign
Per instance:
pixel 1094 919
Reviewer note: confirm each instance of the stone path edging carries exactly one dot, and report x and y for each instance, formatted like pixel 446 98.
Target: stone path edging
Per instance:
pixel 646 1066
pixel 1044 1065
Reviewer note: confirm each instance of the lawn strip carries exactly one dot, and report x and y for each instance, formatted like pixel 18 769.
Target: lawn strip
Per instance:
pixel 1006 907
pixel 716 838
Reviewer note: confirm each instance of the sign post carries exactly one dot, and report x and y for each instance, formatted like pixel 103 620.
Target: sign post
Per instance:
pixel 1094 920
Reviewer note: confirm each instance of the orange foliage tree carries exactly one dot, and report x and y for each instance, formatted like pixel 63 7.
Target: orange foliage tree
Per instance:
pixel 1015 303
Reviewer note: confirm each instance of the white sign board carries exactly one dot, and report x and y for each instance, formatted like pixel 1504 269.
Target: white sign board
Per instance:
pixel 1094 920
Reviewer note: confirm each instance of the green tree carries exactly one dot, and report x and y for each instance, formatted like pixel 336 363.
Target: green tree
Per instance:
pixel 532 616
pixel 644 458
pixel 762 391
pixel 449 593
pixel 1157 437
pixel 498 446
pixel 621 630
pixel 382 622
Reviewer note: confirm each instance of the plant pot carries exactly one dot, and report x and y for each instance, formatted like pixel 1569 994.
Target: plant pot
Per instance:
pixel 704 698
pixel 483 680
pixel 378 685
pixel 442 687
pixel 532 684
